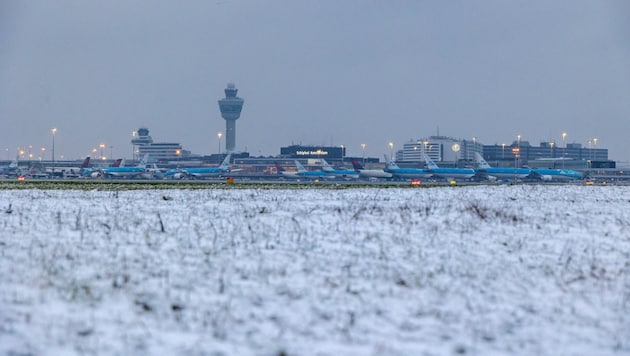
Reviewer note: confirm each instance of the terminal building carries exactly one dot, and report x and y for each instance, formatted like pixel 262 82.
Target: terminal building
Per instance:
pixel 547 155
pixel 440 149
pixel 162 151
pixel 456 152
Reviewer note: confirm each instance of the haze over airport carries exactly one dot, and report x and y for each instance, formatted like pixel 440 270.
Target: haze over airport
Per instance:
pixel 318 72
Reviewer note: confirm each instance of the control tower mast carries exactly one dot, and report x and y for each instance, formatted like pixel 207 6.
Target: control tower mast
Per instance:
pixel 230 107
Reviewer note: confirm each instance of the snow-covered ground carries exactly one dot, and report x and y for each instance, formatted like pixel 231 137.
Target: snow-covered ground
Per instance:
pixel 483 270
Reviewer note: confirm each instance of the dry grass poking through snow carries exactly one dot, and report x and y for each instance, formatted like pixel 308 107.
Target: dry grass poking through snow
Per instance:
pixel 474 270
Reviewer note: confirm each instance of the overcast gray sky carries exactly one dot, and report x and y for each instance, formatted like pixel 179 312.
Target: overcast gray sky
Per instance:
pixel 313 72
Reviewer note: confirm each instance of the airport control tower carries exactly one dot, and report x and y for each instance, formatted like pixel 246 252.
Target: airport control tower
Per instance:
pixel 230 107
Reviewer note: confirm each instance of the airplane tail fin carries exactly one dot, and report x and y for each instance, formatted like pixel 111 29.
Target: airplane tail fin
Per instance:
pixel 86 162
pixel 13 164
pixel 389 164
pixel 279 167
pixel 299 167
pixel 326 166
pixel 430 162
pixel 117 163
pixel 357 165
pixel 144 161
pixel 225 165
pixel 481 163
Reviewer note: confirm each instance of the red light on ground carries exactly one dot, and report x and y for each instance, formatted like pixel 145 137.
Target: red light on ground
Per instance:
pixel 416 182
pixel 21 178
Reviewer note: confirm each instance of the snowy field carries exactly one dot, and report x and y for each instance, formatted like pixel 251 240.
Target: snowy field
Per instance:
pixel 479 270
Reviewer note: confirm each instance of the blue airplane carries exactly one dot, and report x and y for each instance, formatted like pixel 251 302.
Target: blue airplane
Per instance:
pixel 124 172
pixel 398 172
pixel 448 173
pixel 484 170
pixel 95 172
pixel 339 173
pixel 202 172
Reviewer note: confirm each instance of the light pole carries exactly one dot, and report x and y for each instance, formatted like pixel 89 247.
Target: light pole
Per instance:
pixel 518 145
pixel 391 149
pixel 54 131
pixel 551 149
pixel 595 147
pixel 503 151
pixel 133 146
pixel 517 153
pixel 219 134
pixel 564 148
pixel 363 150
pixel 101 146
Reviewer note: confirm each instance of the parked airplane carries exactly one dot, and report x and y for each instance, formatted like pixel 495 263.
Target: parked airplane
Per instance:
pixel 396 171
pixel 448 173
pixel 10 170
pixel 369 173
pixel 484 170
pixel 124 172
pixel 75 172
pixel 202 172
pixel 555 174
pixel 339 173
pixel 94 172
pixel 303 173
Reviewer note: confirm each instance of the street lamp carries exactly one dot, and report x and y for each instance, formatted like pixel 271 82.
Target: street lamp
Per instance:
pixel 595 147
pixel 503 151
pixel 101 146
pixel 517 152
pixel 391 148
pixel 363 149
pixel 551 149
pixel 133 146
pixel 219 134
pixel 564 149
pixel 54 131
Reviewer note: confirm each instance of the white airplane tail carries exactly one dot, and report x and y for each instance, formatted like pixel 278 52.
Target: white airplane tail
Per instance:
pixel 481 163
pixel 326 167
pixel 389 164
pixel 144 161
pixel 225 165
pixel 430 162
pixel 299 167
